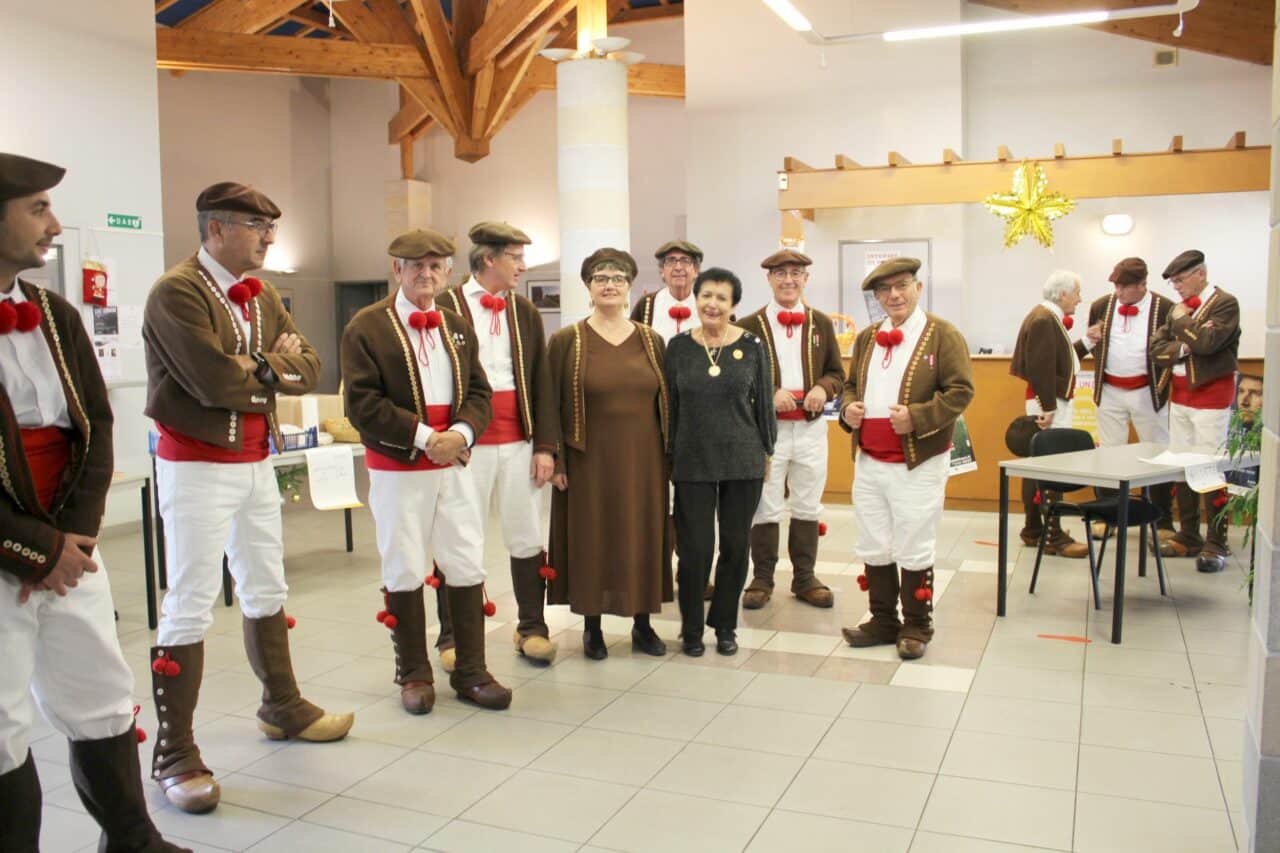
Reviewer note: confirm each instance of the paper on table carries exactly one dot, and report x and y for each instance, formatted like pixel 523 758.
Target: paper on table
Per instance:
pixel 1205 477
pixel 332 474
pixel 1182 460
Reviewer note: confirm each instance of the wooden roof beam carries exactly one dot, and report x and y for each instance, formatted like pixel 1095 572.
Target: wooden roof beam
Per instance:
pixel 439 44
pixel 500 29
pixel 843 162
pixel 949 156
pixel 647 13
pixel 239 16
pixel 191 50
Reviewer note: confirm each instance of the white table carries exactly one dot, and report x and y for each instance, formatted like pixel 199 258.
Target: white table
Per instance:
pixel 1110 467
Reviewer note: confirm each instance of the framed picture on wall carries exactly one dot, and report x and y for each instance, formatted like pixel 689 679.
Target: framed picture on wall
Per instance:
pixel 545 295
pixel 286 296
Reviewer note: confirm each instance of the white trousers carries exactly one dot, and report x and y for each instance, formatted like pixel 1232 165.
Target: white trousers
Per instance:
pixel 800 464
pixel 211 508
pixel 63 653
pixel 506 468
pixel 1062 415
pixel 419 515
pixel 898 511
pixel 1120 407
pixel 1197 430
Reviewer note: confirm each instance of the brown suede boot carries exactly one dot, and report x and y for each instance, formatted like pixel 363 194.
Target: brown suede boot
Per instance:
pixel 1033 520
pixel 883 626
pixel 530 588
pixel 764 559
pixel 409 638
pixel 109 782
pixel 176 673
pixel 471 679
pixel 802 545
pixel 917 613
pixel 444 642
pixel 20 818
pixel 1187 542
pixel 284 713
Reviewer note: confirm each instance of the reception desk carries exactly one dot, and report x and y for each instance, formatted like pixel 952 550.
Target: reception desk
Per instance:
pixel 998 399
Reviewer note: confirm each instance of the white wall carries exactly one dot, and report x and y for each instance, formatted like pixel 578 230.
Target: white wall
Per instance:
pixel 361 164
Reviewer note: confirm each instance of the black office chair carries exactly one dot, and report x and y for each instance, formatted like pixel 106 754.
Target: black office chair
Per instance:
pixel 1049 442
pixel 1143 514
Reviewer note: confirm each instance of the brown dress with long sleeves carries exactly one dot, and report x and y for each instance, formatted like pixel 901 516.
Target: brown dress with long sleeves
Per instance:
pixel 609 528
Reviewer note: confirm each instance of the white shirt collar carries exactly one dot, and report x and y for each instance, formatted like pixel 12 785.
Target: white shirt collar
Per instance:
pixel 1206 293
pixel 910 326
pixel 1053 306
pixel 15 294
pixel 404 307
pixel 666 293
pixel 221 276
pixel 774 308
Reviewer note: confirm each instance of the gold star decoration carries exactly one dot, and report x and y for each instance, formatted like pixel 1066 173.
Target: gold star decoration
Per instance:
pixel 1029 207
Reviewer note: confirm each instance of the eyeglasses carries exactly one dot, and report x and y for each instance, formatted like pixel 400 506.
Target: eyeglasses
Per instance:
pixel 899 287
pixel 264 227
pixel 609 279
pixel 677 262
pixel 1184 276
pixel 518 258
pixel 784 274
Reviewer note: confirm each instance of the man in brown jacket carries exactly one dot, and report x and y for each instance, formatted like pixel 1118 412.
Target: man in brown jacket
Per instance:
pixel 417 394
pixel 516 452
pixel 909 380
pixel 807 372
pixel 57 629
pixel 1196 349
pixel 672 309
pixel 1046 359
pixel 220 347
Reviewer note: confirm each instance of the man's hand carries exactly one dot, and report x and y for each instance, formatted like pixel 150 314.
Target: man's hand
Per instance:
pixel 1045 420
pixel 900 419
pixel 542 469
pixel 444 447
pixel 853 414
pixel 72 563
pixel 815 399
pixel 1094 333
pixel 783 402
pixel 287 344
pixel 560 481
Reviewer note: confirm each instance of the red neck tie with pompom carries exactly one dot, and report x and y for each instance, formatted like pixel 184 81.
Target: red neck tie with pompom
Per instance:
pixel 424 322
pixel 889 340
pixel 18 316
pixel 1127 311
pixel 495 305
pixel 791 319
pixel 243 292
pixel 1192 302
pixel 679 313
pixel 1068 322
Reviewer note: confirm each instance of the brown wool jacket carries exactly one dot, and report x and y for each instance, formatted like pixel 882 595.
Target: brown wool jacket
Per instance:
pixel 821 364
pixel 1212 337
pixel 643 310
pixel 937 387
pixel 567 356
pixel 1042 358
pixel 1103 310
pixel 384 396
pixel 529 350
pixel 31 539
pixel 194 383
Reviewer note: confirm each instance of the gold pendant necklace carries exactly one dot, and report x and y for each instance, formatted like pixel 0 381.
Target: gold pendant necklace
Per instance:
pixel 714 370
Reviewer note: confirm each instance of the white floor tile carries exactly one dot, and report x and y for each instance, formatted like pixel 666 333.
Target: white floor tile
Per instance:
pixel 670 823
pixel 953 678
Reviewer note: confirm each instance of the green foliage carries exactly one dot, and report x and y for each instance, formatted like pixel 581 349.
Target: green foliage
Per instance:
pixel 1243 439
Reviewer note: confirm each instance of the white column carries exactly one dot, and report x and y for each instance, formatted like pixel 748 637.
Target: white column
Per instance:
pixel 591 149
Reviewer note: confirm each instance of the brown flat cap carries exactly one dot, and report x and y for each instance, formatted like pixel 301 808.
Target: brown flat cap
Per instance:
pixel 498 234
pixel 612 258
pixel 679 246
pixel 889 268
pixel 1188 259
pixel 239 198
pixel 786 256
pixel 1129 271
pixel 419 243
pixel 21 176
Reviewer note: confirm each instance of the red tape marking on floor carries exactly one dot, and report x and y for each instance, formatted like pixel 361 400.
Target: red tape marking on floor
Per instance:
pixel 985 542
pixel 1065 638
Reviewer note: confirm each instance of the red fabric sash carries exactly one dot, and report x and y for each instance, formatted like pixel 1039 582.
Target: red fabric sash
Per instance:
pixel 438 418
pixel 176 447
pixel 1217 394
pixel 797 414
pixel 505 426
pixel 1128 383
pixel 48 451
pixel 878 440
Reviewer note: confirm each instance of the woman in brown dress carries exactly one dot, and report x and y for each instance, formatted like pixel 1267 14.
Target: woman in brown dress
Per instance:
pixel 609 545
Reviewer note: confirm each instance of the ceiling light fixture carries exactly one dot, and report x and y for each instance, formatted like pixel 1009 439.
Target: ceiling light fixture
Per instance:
pixel 790 15
pixel 1117 224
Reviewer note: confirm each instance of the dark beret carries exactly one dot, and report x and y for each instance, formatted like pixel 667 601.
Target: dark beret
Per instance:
pixel 21 176
pixel 419 243
pixel 679 246
pixel 1182 263
pixel 1017 437
pixel 238 198
pixel 609 257
pixel 786 256
pixel 498 234
pixel 890 268
pixel 1129 271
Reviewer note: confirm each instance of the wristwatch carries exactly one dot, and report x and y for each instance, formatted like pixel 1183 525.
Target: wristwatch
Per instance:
pixel 264 373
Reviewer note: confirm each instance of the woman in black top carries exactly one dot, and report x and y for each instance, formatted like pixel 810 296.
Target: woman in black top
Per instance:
pixel 722 433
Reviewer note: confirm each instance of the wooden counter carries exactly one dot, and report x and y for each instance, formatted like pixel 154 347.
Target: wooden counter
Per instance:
pixel 999 398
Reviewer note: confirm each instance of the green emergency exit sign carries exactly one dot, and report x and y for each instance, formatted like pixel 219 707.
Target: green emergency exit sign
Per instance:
pixel 122 220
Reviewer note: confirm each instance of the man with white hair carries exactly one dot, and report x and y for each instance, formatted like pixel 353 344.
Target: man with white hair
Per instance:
pixel 1045 358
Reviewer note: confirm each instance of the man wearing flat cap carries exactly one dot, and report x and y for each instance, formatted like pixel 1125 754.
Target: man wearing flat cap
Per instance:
pixel 672 309
pixel 220 347
pixel 804 358
pixel 1196 349
pixel 57 625
pixel 1126 385
pixel 909 380
pixel 515 454
pixel 417 394
pixel 1045 357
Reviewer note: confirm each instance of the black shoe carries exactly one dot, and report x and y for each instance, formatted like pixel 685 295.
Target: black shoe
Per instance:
pixel 692 646
pixel 1211 563
pixel 726 643
pixel 593 645
pixel 647 640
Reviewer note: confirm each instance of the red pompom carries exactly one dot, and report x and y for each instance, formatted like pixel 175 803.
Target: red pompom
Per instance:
pixel 1036 499
pixel 433 581
pixel 254 285
pixel 679 312
pixel 172 669
pixel 863 583
pixel 923 593
pixel 289 622
pixel 822 528
pixel 391 621
pixel 157 666
pixel 239 293
pixel 1220 501
pixel 547 573
pixel 381 616
pixel 499 305
pixel 490 608
pixel 28 316
pixel 1068 321
pixel 1192 302
pixel 142 736
pixel 8 317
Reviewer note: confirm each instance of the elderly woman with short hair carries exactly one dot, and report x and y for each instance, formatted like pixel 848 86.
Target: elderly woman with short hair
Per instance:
pixel 608 545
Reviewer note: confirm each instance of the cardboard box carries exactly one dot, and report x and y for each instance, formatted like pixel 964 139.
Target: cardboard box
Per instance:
pixel 290 410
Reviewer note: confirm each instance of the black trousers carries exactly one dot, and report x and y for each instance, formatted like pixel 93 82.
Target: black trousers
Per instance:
pixel 696 516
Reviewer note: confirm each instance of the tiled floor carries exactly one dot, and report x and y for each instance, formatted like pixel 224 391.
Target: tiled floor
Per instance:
pixel 1000 739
